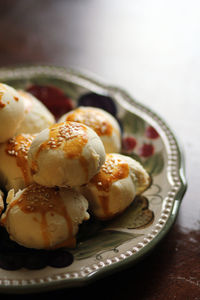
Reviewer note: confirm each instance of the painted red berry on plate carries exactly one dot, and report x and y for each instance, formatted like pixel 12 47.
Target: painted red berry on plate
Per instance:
pixel 129 143
pixel 53 98
pixel 151 133
pixel 146 150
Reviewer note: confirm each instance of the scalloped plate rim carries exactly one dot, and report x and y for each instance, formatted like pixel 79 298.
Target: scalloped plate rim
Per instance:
pixel 128 261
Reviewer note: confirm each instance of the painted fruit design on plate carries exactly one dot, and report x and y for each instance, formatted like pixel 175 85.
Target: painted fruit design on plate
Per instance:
pixel 139 140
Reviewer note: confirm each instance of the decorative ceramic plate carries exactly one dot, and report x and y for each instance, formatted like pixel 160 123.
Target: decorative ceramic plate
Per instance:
pixel 102 247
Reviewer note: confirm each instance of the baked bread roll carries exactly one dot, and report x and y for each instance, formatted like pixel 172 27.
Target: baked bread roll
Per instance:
pixel 44 218
pixel 103 123
pixel 11 112
pixel 114 188
pixel 66 154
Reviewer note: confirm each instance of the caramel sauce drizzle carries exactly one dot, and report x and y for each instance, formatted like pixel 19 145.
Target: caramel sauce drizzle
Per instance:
pixel 2 105
pixel 3 88
pixel 113 169
pixel 43 200
pixel 68 136
pixel 18 147
pixel 93 119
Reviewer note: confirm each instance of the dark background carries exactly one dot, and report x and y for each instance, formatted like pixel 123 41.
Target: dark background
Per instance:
pixel 152 49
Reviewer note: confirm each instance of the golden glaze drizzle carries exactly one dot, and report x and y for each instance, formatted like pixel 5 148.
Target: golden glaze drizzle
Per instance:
pixel 3 88
pixel 92 118
pixel 2 105
pixel 43 200
pixel 18 147
pixel 70 137
pixel 1 201
pixel 113 169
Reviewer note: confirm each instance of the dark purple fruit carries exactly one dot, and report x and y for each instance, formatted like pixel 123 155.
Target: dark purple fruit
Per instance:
pixel 99 101
pixel 35 260
pixel 10 261
pixel 60 258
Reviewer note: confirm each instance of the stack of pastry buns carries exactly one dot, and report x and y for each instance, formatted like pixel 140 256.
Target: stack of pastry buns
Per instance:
pixel 57 174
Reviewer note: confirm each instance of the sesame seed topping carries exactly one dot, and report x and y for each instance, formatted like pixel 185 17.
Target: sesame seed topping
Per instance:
pixel 19 145
pixel 92 118
pixel 63 132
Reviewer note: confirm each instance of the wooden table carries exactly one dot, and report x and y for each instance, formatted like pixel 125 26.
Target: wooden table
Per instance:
pixel 152 49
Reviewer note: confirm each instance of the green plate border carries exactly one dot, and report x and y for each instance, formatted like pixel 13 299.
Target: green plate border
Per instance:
pixel 109 269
